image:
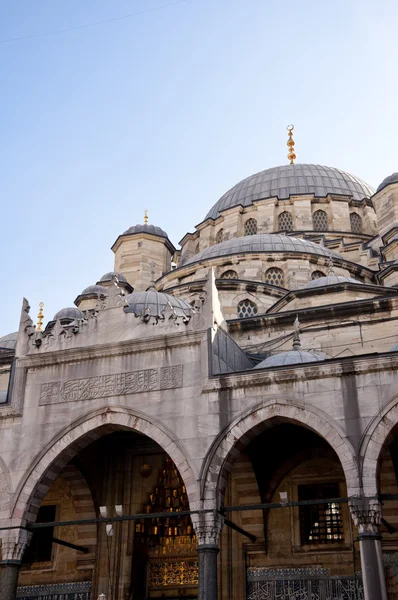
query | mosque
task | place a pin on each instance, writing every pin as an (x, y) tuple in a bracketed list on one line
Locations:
[(218, 421)]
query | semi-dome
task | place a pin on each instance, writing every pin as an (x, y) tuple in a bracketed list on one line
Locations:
[(71, 313), (330, 280), (109, 276), (94, 290), (9, 341), (146, 228), (262, 242), (154, 304), (393, 178), (291, 357), (291, 180)]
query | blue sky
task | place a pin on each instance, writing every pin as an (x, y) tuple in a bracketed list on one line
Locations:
[(166, 110)]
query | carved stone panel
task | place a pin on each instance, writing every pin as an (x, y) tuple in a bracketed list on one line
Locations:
[(104, 386)]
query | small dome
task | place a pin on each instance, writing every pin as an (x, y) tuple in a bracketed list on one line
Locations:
[(388, 181), (291, 357), (154, 304), (72, 314), (146, 228), (262, 242), (330, 280), (109, 276), (292, 180), (94, 290), (9, 341)]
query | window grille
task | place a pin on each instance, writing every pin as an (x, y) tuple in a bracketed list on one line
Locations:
[(230, 274), (320, 523), (251, 227), (320, 220), (317, 274), (274, 276), (40, 548), (246, 308), (356, 223), (219, 236), (285, 221)]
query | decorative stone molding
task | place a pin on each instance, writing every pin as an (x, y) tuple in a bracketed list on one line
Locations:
[(208, 527), (14, 543), (246, 427), (366, 514)]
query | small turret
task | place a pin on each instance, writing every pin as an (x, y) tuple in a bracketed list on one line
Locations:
[(143, 253)]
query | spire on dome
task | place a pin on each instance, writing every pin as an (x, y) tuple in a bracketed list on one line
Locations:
[(40, 317), (291, 143), (145, 216)]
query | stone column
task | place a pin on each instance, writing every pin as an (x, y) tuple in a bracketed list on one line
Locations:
[(13, 545), (366, 514), (208, 528)]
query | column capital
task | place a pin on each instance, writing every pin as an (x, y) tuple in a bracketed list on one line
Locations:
[(366, 514), (13, 544), (208, 527)]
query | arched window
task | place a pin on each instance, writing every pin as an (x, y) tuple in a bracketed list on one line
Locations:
[(317, 274), (219, 236), (356, 223), (274, 276), (230, 274), (320, 220), (251, 227), (285, 221), (246, 308)]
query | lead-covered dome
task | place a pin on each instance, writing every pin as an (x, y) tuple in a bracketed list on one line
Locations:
[(262, 242), (393, 178), (330, 280), (146, 228), (154, 304), (291, 357), (9, 341), (111, 275), (291, 180), (71, 314)]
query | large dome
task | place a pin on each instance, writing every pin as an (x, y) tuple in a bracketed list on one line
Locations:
[(288, 180), (262, 242)]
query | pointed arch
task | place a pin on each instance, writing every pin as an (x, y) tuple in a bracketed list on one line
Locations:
[(237, 435), (67, 443)]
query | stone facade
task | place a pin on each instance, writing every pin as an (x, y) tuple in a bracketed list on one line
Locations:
[(94, 407)]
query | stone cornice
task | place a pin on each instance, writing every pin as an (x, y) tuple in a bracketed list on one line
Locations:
[(86, 353), (335, 367)]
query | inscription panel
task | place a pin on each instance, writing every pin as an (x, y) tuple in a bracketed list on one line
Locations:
[(104, 386)]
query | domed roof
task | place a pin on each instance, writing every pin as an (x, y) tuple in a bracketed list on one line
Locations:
[(393, 178), (291, 357), (9, 341), (288, 180), (146, 228), (109, 276), (262, 242), (330, 280), (153, 304), (94, 289), (72, 313)]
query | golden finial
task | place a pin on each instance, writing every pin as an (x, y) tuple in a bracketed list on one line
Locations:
[(40, 317), (290, 142), (145, 216)]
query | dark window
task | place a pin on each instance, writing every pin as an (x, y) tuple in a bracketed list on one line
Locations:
[(320, 220), (274, 276), (285, 221), (317, 274), (40, 548), (246, 308), (356, 223), (320, 523), (219, 236), (230, 274), (251, 227)]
